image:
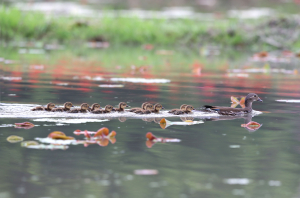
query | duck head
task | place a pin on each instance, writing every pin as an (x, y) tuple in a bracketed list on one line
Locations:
[(108, 108), (50, 105), (182, 107), (148, 106), (189, 108), (84, 106), (158, 107), (122, 105), (68, 105), (95, 106), (251, 97), (144, 105)]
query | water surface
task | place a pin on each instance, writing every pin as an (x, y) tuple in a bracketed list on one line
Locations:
[(218, 158)]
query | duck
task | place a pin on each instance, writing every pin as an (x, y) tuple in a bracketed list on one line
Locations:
[(84, 107), (94, 107), (48, 107), (138, 108), (182, 107), (107, 109), (148, 109), (67, 107), (157, 107), (250, 98), (121, 107), (186, 109)]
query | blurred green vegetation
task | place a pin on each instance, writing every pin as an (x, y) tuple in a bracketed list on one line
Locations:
[(17, 25)]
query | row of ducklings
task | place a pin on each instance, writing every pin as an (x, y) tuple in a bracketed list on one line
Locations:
[(146, 108), (84, 107)]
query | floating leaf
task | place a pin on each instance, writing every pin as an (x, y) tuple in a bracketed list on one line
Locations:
[(29, 143), (24, 125), (14, 139), (59, 135), (164, 123), (102, 132), (242, 101), (103, 142), (252, 125), (150, 136), (234, 100)]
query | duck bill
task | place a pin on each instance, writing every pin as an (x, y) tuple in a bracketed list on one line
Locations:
[(259, 100)]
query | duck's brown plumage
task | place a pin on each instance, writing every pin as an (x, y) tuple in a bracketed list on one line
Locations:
[(138, 108), (67, 107), (107, 109), (186, 109), (121, 107), (48, 107), (157, 107), (251, 97), (94, 107), (182, 108), (83, 109), (148, 109)]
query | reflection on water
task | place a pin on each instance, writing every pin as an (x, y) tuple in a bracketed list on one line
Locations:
[(216, 157)]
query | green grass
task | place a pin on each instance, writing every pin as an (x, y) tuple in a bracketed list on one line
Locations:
[(17, 25)]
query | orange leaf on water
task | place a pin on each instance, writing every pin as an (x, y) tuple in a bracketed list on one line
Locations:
[(103, 142), (242, 101), (149, 143), (102, 132), (163, 123), (112, 134), (59, 135), (150, 136)]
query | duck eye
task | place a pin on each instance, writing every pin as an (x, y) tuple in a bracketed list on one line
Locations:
[(255, 96)]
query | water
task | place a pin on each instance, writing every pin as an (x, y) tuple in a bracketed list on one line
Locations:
[(216, 158)]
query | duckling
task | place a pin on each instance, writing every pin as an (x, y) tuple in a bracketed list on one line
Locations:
[(83, 109), (49, 107), (107, 109), (94, 107), (148, 109), (67, 107), (188, 109), (182, 107), (157, 107), (137, 108), (122, 105)]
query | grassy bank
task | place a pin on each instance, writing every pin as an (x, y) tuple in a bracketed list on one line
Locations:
[(15, 25)]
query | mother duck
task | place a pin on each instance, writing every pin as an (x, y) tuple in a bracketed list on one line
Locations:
[(251, 97)]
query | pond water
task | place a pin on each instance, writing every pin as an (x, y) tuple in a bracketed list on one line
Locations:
[(216, 158)]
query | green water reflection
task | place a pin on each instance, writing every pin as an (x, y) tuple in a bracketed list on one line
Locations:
[(214, 159)]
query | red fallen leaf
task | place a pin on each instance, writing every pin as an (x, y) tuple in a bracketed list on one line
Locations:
[(77, 132), (233, 105), (24, 125), (102, 132), (252, 125), (103, 142), (150, 136), (59, 135), (150, 143), (86, 134)]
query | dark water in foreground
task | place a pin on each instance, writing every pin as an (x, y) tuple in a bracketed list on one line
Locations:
[(214, 159)]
